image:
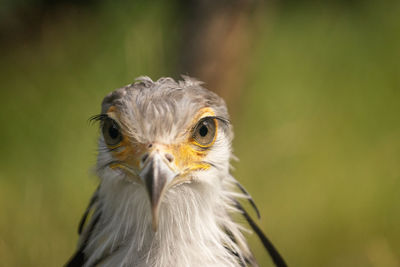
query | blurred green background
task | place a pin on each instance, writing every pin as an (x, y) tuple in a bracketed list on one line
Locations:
[(317, 125)]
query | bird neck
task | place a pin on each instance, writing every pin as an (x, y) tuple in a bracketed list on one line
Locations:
[(192, 230)]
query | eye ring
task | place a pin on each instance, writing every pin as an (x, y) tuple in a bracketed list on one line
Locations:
[(111, 132), (204, 133)]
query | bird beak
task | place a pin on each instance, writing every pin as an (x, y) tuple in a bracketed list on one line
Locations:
[(156, 175)]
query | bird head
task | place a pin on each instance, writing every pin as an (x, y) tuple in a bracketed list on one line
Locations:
[(164, 134)]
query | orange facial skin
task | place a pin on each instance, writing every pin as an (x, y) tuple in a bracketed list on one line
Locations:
[(188, 155)]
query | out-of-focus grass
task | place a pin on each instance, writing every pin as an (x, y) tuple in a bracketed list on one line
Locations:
[(319, 136), (317, 132)]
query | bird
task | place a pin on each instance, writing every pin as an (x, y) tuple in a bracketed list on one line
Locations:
[(166, 196)]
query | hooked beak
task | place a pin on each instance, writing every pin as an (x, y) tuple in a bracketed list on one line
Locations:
[(156, 174)]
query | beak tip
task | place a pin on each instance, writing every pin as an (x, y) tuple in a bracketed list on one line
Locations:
[(154, 226), (154, 221)]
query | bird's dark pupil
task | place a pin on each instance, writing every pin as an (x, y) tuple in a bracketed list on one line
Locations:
[(113, 132), (203, 131)]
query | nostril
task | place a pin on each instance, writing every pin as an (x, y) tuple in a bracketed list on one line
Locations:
[(150, 146), (145, 156), (169, 157)]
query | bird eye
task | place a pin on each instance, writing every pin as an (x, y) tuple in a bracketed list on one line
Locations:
[(204, 132), (111, 132)]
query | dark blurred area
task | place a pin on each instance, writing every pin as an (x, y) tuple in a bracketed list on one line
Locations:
[(22, 20), (313, 88)]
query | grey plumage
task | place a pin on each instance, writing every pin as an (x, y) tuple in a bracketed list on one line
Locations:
[(187, 221), (161, 109)]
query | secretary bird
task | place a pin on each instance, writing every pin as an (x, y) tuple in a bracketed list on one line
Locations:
[(166, 196)]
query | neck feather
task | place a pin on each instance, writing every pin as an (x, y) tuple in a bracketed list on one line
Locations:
[(195, 228)]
